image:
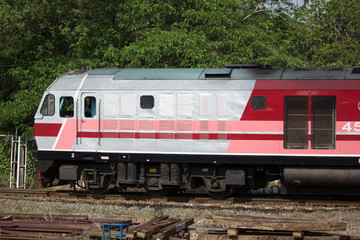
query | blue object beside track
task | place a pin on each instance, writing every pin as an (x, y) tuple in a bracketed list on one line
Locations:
[(106, 230)]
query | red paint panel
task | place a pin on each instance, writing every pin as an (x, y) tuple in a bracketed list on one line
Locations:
[(88, 134), (109, 124), (164, 135), (196, 136), (309, 84), (257, 125), (275, 102), (348, 137), (183, 136), (146, 125), (126, 135), (109, 135), (166, 125), (221, 136), (348, 106), (183, 125), (254, 137), (347, 94), (68, 135), (141, 135), (47, 129), (213, 136), (127, 124), (204, 136), (188, 136)]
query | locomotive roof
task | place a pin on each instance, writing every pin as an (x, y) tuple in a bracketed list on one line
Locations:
[(113, 78)]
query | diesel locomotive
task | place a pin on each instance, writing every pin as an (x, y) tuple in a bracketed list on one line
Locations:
[(225, 129)]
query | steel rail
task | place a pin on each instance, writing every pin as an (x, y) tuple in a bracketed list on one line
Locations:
[(198, 198)]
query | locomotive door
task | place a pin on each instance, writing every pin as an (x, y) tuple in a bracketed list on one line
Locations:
[(89, 124)]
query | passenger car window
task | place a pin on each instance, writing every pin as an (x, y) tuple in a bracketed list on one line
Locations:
[(147, 102), (66, 107), (48, 107), (89, 107)]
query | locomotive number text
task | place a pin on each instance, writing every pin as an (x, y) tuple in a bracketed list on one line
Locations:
[(351, 126)]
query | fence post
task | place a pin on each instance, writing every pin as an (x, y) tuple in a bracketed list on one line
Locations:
[(18, 163), (11, 162)]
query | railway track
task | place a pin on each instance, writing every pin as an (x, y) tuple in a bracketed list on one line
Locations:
[(198, 198), (212, 216), (60, 226)]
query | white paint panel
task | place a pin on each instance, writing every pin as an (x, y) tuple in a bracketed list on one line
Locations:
[(204, 104), (166, 104), (111, 105), (128, 102), (222, 105), (185, 105)]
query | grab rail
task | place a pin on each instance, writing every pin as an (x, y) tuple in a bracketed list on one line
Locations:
[(77, 119), (99, 127)]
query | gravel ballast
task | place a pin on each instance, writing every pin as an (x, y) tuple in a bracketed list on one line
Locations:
[(146, 210)]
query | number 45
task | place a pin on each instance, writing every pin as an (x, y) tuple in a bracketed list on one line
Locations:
[(347, 127)]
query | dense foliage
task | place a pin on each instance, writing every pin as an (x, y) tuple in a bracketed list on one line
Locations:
[(41, 39), (4, 161)]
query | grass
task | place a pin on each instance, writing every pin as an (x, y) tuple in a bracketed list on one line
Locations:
[(4, 181), (221, 214)]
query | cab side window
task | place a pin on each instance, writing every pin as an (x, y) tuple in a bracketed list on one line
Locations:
[(48, 107), (66, 107), (90, 107)]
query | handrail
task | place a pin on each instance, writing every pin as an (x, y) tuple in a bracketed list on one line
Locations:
[(77, 119), (99, 126)]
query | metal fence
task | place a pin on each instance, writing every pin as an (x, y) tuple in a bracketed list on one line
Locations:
[(14, 159)]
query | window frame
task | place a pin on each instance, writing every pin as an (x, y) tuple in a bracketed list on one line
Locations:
[(144, 102), (320, 122), (93, 106), (315, 130), (48, 104), (292, 145), (61, 108), (255, 100)]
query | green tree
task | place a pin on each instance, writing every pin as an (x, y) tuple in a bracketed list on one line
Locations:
[(41, 39), (340, 31)]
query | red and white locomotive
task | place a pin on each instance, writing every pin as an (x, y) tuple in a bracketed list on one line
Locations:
[(230, 128)]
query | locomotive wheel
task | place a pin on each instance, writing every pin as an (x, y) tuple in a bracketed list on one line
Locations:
[(221, 195), (99, 190)]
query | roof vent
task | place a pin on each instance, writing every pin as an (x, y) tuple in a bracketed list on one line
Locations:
[(218, 73), (306, 69), (104, 71)]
